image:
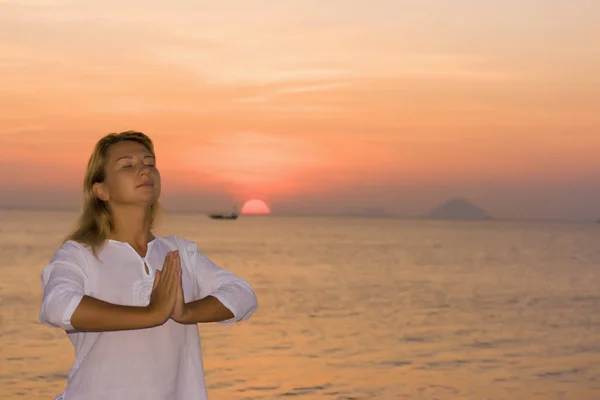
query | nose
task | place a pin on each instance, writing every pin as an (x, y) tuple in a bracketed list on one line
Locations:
[(145, 170)]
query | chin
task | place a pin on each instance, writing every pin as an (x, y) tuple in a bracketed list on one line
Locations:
[(152, 200), (147, 201)]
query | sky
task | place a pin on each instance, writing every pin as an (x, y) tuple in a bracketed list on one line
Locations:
[(315, 107)]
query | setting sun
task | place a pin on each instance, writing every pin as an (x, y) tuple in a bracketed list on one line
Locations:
[(256, 207)]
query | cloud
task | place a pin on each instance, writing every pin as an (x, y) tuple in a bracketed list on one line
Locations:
[(300, 95), (254, 161), (311, 88), (261, 75), (10, 131)]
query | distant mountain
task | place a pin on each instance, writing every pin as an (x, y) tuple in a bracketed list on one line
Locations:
[(459, 208)]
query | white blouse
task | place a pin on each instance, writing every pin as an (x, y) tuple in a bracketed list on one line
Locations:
[(160, 363)]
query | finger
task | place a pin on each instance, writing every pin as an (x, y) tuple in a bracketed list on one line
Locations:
[(170, 293), (178, 269), (156, 279), (178, 274), (174, 264), (176, 282), (177, 262), (172, 269), (179, 294), (168, 259), (164, 277), (180, 284)]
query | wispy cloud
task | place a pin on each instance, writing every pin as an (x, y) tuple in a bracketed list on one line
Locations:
[(8, 130), (271, 96), (280, 96), (311, 88), (270, 75), (254, 159)]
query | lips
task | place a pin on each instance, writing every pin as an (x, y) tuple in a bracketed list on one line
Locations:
[(146, 184)]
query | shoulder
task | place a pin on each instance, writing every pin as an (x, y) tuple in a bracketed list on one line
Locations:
[(71, 257), (72, 252), (179, 243)]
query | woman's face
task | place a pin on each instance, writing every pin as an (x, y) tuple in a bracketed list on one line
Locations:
[(131, 176)]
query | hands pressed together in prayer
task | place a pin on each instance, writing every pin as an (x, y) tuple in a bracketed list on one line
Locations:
[(166, 300)]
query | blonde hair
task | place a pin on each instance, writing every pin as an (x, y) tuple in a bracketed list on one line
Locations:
[(96, 223)]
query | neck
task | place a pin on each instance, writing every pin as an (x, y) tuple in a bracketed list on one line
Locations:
[(131, 225)]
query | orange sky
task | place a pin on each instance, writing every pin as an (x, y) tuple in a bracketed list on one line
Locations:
[(313, 106)]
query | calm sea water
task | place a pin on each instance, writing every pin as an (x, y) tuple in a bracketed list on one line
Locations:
[(355, 308)]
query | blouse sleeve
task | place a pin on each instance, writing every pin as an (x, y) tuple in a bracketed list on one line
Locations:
[(63, 281), (232, 291)]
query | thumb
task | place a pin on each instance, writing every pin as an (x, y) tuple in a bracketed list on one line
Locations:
[(156, 279)]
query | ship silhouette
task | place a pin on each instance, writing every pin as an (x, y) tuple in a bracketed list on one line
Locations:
[(232, 215)]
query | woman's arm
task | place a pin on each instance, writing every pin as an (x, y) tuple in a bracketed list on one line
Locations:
[(208, 309), (96, 315), (233, 301), (224, 297), (64, 305)]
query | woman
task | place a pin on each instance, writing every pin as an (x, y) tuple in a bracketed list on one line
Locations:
[(128, 300)]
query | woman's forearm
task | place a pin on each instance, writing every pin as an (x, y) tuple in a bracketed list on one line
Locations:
[(96, 315), (208, 309)]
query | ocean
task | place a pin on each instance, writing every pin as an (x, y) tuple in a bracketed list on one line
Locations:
[(353, 308)]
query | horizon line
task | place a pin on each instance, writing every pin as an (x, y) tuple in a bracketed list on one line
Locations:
[(316, 215)]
